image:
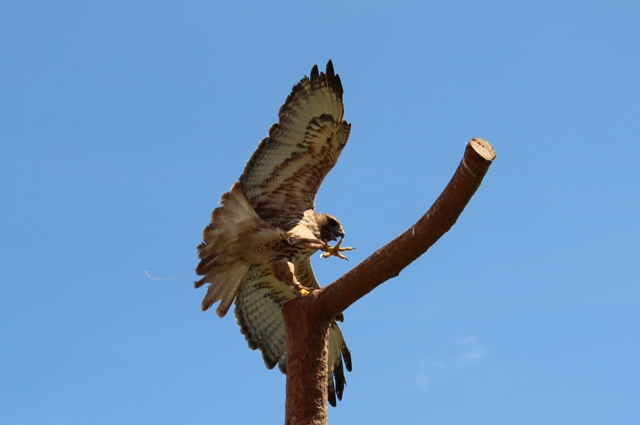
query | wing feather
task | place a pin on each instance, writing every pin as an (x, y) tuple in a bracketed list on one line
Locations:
[(278, 185), (258, 304), (258, 308), (223, 287), (285, 172), (304, 273)]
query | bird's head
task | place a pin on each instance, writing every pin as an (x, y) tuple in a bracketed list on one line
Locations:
[(330, 227)]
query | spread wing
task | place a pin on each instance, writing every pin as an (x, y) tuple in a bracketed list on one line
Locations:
[(280, 181), (284, 173), (258, 311)]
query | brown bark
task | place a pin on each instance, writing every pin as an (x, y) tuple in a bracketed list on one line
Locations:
[(307, 318), (306, 360)]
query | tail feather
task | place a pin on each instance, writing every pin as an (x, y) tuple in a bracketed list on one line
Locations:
[(221, 261), (225, 220), (223, 288)]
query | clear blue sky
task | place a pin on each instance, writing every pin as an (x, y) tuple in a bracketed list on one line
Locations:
[(121, 124)]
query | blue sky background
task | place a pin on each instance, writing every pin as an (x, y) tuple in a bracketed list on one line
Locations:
[(122, 123)]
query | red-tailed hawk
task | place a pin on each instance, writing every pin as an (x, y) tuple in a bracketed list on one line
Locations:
[(258, 245)]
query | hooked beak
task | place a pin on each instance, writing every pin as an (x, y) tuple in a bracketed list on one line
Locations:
[(338, 234)]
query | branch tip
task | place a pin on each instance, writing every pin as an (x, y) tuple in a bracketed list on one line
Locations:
[(483, 148)]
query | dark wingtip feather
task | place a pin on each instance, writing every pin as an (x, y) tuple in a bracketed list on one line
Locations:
[(269, 363), (282, 365), (337, 84), (314, 72), (332, 398), (330, 75), (330, 71), (338, 372), (346, 355)]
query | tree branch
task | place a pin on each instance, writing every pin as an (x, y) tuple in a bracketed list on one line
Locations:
[(307, 318)]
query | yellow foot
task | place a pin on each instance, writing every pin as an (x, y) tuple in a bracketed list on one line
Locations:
[(335, 251), (303, 291)]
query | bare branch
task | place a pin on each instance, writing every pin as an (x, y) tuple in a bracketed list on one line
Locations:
[(307, 318), (389, 260)]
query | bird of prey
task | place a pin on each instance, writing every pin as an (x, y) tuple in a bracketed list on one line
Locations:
[(257, 248)]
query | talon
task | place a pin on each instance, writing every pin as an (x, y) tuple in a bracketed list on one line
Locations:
[(335, 251)]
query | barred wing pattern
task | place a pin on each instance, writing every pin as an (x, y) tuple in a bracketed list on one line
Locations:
[(257, 311), (284, 173), (281, 180)]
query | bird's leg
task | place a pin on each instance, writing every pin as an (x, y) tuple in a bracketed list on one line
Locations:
[(284, 271), (309, 242), (335, 250)]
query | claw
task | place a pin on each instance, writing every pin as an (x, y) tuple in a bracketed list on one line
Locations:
[(335, 251)]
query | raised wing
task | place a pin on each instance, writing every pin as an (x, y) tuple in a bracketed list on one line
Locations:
[(258, 311), (285, 172)]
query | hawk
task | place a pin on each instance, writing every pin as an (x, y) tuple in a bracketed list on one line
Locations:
[(257, 248)]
